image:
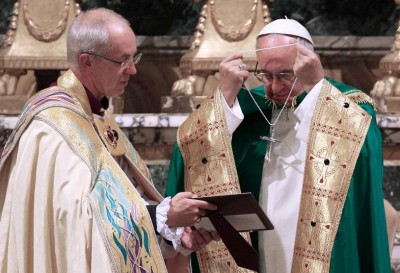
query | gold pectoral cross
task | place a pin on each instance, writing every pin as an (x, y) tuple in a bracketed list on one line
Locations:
[(108, 132)]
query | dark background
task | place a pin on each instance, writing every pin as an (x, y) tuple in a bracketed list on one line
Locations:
[(179, 17)]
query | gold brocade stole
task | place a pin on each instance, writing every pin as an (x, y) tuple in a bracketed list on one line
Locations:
[(205, 145), (338, 130), (118, 145), (36, 104), (120, 213)]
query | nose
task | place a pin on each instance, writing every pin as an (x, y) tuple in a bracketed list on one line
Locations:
[(131, 70), (276, 83)]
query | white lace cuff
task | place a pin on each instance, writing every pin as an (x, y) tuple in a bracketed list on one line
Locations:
[(173, 234)]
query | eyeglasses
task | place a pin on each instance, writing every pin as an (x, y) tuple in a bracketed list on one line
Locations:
[(124, 64), (268, 77)]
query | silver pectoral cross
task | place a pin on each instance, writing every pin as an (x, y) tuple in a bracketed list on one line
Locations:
[(272, 140)]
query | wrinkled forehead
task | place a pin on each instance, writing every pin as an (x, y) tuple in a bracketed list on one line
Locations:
[(276, 47)]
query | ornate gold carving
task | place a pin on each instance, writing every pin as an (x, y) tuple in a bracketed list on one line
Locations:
[(16, 82), (396, 42), (16, 86), (8, 40), (232, 33), (192, 85), (391, 61), (77, 9), (218, 33), (198, 35), (266, 14), (199, 28), (48, 33), (386, 91)]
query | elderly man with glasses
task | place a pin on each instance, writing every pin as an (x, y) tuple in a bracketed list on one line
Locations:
[(75, 196), (307, 147)]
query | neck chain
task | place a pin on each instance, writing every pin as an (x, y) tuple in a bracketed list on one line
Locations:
[(270, 138), (272, 124)]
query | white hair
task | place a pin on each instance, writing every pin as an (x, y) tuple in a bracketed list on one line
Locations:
[(90, 32)]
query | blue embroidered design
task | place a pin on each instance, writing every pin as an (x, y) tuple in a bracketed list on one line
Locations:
[(129, 239)]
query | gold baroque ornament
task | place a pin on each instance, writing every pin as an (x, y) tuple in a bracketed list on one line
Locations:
[(232, 33), (77, 9), (199, 28), (266, 14), (12, 28), (48, 33)]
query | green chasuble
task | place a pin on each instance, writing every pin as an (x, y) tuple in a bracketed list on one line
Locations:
[(360, 241)]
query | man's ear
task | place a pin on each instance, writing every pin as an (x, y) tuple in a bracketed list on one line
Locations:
[(85, 61)]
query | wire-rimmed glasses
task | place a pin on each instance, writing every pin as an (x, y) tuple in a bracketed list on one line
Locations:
[(126, 63), (267, 77)]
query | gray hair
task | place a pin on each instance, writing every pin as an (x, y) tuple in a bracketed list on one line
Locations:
[(305, 43), (90, 32)]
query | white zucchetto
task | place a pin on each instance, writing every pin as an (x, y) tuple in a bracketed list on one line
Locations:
[(286, 26)]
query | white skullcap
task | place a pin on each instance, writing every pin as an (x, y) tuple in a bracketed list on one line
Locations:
[(286, 26)]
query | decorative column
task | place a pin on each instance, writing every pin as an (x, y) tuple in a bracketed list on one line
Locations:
[(224, 27), (34, 50), (386, 91)]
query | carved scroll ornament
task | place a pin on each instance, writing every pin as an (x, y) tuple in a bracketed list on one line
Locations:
[(12, 28), (233, 33), (47, 33)]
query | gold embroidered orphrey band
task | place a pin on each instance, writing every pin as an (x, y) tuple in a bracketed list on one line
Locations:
[(116, 142), (338, 130), (204, 142)]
